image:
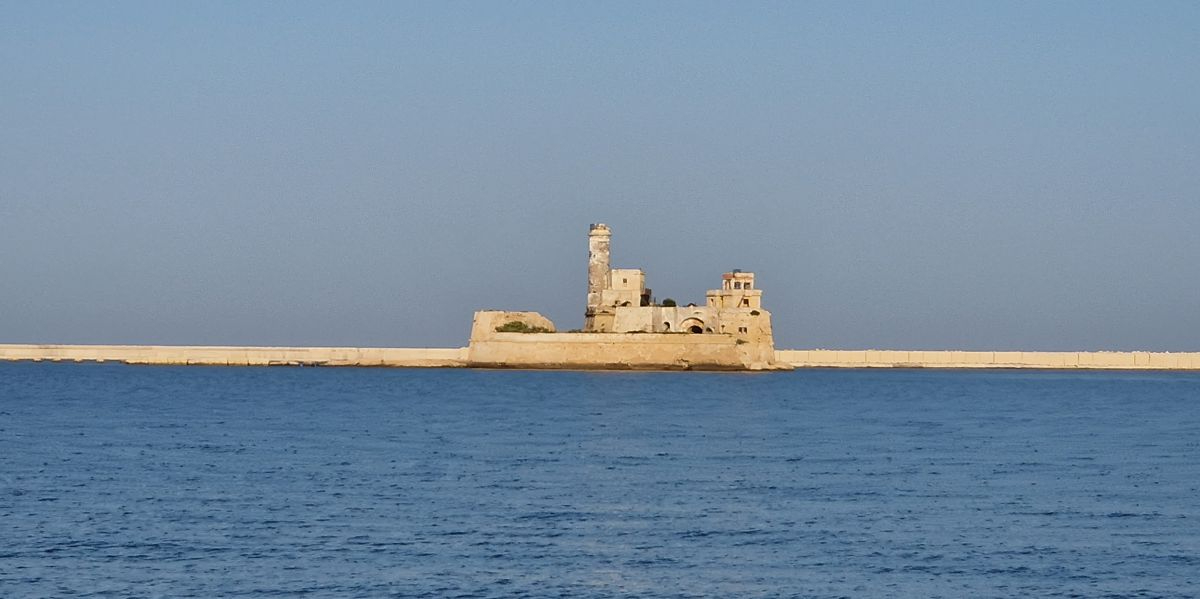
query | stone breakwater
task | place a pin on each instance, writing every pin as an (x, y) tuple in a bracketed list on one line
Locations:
[(240, 356), (1103, 360), (491, 357)]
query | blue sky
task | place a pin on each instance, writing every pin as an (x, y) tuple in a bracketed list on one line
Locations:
[(1021, 175)]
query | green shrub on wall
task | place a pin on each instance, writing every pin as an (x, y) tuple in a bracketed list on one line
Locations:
[(516, 326), (668, 303)]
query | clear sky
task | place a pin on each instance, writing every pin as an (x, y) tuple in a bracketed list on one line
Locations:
[(999, 175)]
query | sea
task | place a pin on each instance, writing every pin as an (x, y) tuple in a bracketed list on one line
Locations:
[(143, 481)]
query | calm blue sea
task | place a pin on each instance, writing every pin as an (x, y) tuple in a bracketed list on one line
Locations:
[(122, 481)]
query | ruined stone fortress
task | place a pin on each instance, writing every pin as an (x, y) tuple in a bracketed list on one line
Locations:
[(625, 329), (619, 302)]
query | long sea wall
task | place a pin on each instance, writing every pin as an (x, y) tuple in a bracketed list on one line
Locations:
[(239, 356), (827, 358), (595, 351)]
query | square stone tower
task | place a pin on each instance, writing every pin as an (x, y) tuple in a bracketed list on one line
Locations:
[(598, 317)]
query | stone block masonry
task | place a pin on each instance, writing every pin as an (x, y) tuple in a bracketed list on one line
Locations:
[(617, 351)]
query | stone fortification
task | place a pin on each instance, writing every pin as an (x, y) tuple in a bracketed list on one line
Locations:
[(618, 302), (493, 348), (625, 328)]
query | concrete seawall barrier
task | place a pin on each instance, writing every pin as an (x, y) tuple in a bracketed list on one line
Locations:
[(240, 356), (827, 358)]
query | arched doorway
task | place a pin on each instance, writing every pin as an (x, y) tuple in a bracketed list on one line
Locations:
[(692, 325)]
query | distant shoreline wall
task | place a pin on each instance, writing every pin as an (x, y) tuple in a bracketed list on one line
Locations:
[(595, 351), (240, 356), (826, 358)]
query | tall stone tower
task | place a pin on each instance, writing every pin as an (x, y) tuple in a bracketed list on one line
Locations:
[(599, 240)]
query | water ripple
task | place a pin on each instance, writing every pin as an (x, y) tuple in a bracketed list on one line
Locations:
[(200, 482)]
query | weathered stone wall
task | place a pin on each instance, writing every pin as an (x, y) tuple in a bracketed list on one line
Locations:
[(484, 323), (651, 318), (658, 319), (240, 356), (617, 351), (987, 359), (593, 350)]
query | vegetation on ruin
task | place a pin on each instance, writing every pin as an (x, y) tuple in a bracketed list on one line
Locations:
[(516, 326)]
